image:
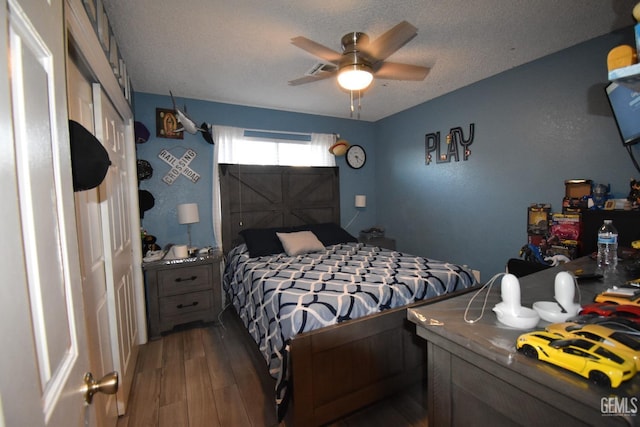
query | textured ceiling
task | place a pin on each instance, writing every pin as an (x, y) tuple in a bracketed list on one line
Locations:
[(239, 51)]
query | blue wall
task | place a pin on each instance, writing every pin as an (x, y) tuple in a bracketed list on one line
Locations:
[(161, 221), (535, 127)]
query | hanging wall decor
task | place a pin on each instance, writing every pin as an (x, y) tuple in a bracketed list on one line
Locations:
[(454, 144), (167, 123), (179, 166)]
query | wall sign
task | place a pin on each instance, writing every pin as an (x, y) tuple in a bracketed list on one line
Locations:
[(179, 166), (455, 143)]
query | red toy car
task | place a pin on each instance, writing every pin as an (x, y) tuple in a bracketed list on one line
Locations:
[(628, 311)]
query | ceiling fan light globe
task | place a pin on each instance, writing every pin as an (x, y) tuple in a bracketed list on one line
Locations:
[(355, 77)]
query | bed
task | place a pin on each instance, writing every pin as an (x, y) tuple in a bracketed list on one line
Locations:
[(326, 313)]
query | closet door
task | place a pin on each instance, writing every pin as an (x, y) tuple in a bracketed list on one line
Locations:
[(44, 355), (119, 228), (90, 243), (117, 239)]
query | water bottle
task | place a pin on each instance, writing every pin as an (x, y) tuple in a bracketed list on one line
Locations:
[(607, 245)]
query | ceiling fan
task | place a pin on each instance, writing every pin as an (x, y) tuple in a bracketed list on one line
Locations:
[(361, 60)]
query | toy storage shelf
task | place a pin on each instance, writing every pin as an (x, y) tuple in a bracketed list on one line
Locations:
[(627, 76)]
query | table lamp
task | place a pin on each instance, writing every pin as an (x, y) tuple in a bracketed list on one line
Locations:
[(360, 202), (188, 214)]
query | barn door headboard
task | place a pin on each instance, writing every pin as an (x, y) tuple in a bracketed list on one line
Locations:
[(254, 196)]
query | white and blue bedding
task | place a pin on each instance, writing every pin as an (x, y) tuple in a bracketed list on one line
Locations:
[(278, 296)]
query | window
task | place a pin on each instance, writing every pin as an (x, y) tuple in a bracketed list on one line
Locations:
[(274, 148), (240, 146)]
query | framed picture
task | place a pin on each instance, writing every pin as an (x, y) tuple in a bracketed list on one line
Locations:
[(90, 8), (127, 89), (122, 74), (114, 55), (103, 27), (610, 205), (166, 124)]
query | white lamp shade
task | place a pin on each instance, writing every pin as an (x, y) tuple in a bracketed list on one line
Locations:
[(188, 213), (361, 201)]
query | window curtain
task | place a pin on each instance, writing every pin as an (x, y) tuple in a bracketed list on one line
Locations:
[(319, 149), (232, 146), (223, 137)]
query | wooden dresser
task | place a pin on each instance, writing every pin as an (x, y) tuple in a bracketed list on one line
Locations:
[(476, 376), (182, 291)]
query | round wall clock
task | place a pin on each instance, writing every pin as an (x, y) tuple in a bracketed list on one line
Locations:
[(356, 156)]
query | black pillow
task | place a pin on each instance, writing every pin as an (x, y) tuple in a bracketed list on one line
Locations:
[(264, 241), (329, 233)]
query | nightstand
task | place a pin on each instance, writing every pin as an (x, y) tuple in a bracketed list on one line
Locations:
[(383, 242), (182, 291)]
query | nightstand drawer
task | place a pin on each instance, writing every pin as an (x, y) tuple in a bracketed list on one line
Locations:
[(179, 281), (177, 305), (182, 292)]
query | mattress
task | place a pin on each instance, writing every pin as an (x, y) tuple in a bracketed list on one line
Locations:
[(279, 296)]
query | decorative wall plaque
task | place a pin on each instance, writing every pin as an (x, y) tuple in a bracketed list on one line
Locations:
[(179, 166)]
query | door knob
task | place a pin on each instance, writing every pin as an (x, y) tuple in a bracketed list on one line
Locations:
[(107, 385)]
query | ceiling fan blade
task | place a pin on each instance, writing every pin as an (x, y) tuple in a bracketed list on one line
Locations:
[(396, 71), (316, 49), (382, 47), (310, 79)]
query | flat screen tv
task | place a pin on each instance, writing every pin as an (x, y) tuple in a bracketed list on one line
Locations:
[(625, 103)]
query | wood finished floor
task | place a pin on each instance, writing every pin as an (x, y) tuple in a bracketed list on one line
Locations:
[(205, 376)]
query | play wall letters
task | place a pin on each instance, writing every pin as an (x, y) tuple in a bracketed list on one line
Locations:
[(455, 142)]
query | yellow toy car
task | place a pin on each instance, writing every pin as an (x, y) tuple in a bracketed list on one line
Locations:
[(583, 357), (632, 298), (621, 342)]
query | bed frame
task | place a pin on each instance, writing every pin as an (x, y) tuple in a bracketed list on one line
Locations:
[(276, 196), (338, 369)]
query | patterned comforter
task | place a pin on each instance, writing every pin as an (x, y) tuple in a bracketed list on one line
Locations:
[(279, 296)]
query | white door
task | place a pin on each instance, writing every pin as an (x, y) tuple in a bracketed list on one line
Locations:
[(92, 259), (117, 239), (43, 358)]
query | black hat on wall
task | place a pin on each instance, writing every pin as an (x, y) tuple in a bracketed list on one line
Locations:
[(145, 201), (145, 170), (89, 159), (206, 132), (141, 132)]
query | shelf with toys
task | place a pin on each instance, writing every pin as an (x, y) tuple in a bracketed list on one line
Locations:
[(622, 61), (628, 76)]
